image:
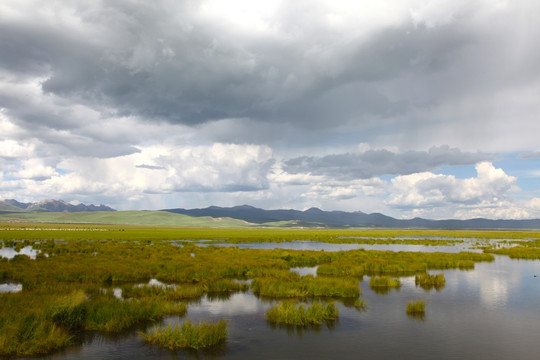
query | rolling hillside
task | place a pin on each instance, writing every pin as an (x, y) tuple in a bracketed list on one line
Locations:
[(161, 218)]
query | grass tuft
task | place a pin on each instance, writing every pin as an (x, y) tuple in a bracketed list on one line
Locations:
[(198, 336), (288, 313), (416, 307), (427, 281)]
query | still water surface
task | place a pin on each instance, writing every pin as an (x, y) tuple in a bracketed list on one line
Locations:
[(332, 247), (491, 312)]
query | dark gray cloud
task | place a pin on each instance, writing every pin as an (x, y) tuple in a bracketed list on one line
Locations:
[(150, 167), (164, 61), (374, 163), (196, 86), (530, 155)]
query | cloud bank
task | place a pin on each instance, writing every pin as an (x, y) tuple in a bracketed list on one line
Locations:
[(196, 103)]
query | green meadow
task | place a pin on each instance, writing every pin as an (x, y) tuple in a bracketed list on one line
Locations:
[(96, 277)]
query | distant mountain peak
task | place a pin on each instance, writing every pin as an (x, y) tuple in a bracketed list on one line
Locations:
[(50, 205), (317, 217)]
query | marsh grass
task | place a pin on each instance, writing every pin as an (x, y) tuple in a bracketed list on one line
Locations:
[(179, 292), (26, 327), (113, 315), (360, 304), (518, 252), (189, 335), (306, 286), (384, 282), (416, 307), (287, 312), (32, 334), (225, 286), (70, 311), (427, 281), (84, 259)]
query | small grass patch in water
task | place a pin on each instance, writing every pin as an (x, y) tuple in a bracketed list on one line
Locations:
[(360, 304), (416, 307), (201, 335), (427, 281), (287, 312), (384, 281)]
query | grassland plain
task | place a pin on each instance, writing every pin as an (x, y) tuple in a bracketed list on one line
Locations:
[(70, 285)]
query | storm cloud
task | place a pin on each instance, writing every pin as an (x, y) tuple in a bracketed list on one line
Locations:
[(270, 99), (374, 163)]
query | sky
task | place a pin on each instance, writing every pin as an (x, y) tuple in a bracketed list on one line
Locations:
[(408, 108)]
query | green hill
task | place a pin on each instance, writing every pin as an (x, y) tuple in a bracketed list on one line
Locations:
[(123, 218)]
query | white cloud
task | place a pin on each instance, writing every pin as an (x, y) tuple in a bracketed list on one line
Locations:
[(336, 190), (487, 194), (35, 169), (12, 149), (494, 210), (155, 169)]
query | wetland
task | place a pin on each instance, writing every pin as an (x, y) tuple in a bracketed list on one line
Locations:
[(96, 292)]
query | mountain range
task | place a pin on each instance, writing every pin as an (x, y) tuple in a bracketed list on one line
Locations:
[(12, 205), (315, 216), (244, 215)]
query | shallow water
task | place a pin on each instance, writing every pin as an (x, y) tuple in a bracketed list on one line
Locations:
[(332, 247), (9, 252), (10, 288), (491, 312)]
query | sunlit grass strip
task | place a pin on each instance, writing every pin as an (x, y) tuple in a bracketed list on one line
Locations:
[(189, 335), (518, 252), (384, 281), (288, 313), (427, 281), (416, 307)]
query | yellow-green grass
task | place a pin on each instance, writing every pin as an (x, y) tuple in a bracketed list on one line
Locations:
[(289, 313), (384, 282), (416, 307), (306, 286), (518, 252), (427, 281), (85, 262), (189, 335), (237, 234)]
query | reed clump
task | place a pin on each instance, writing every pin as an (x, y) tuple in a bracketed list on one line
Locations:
[(30, 334), (416, 307), (289, 313), (427, 281), (189, 335), (384, 282), (113, 315)]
